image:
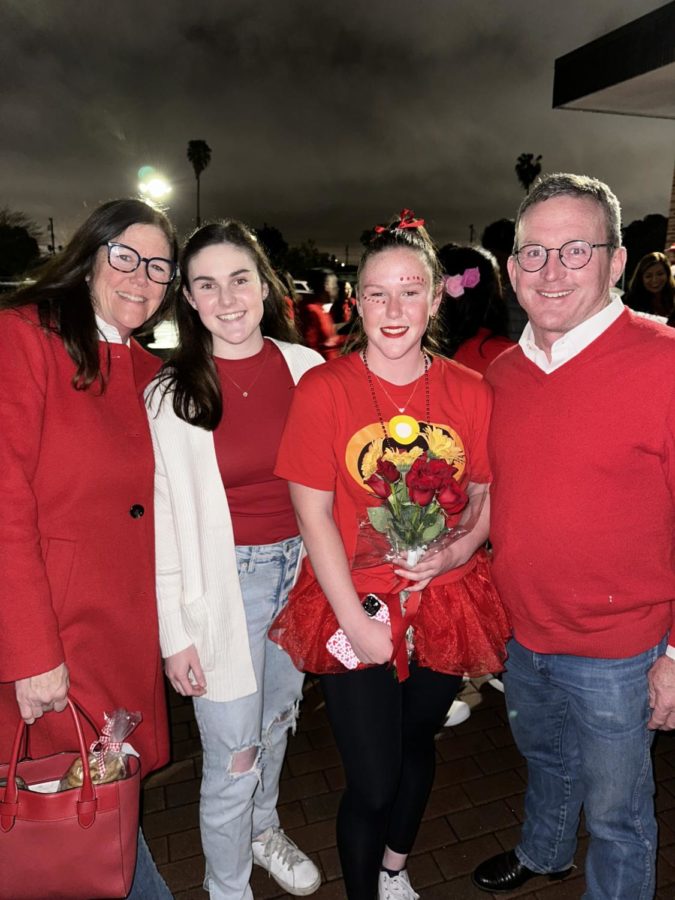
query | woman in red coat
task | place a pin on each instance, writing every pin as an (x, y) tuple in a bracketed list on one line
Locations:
[(77, 597)]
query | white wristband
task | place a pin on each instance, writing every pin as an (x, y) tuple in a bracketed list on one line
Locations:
[(670, 651)]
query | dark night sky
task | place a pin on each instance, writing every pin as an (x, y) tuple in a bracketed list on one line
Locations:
[(323, 117)]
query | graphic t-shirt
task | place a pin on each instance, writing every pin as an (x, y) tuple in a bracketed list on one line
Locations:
[(333, 439)]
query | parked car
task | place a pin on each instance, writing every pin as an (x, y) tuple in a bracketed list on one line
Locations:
[(301, 287)]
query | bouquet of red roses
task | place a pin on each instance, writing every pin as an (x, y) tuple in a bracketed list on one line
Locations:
[(418, 496), (423, 510)]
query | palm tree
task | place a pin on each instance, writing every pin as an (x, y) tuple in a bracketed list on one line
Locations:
[(527, 169), (199, 154)]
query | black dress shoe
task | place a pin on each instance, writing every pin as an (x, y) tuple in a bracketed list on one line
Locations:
[(505, 873)]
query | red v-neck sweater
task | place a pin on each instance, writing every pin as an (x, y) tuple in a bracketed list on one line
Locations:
[(583, 493)]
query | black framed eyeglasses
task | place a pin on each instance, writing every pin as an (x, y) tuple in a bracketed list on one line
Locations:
[(572, 254), (126, 259)]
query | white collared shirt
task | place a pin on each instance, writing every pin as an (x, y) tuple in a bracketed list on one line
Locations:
[(574, 341), (109, 333)]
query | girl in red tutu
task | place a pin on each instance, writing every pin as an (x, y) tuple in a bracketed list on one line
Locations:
[(390, 399)]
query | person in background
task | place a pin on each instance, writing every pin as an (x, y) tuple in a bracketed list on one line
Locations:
[(291, 301), (342, 310), (497, 239), (314, 323), (473, 330), (670, 253), (583, 455), (390, 396), (78, 613), (228, 547), (652, 287), (473, 317)]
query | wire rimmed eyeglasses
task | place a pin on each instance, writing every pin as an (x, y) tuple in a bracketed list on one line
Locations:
[(126, 259), (572, 254)]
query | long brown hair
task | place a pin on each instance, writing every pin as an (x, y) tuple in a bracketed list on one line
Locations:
[(479, 306), (642, 300), (61, 294), (190, 373)]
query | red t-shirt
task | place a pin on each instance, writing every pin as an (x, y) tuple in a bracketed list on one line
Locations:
[(333, 430), (479, 351), (583, 506), (246, 442)]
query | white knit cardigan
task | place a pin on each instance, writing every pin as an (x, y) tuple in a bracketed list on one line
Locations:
[(198, 594)]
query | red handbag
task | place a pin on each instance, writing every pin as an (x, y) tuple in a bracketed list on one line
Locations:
[(78, 844)]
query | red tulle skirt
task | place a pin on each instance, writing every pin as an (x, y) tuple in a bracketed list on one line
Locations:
[(460, 628)]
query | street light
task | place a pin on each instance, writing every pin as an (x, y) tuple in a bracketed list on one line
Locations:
[(156, 189), (152, 186)]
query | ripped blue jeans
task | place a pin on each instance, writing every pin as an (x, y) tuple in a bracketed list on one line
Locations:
[(244, 741)]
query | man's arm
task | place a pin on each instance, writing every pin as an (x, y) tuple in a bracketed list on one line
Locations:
[(662, 694)]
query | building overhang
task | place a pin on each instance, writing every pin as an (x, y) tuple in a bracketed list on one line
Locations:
[(630, 71)]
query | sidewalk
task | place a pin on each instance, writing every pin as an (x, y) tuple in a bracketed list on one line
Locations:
[(474, 810)]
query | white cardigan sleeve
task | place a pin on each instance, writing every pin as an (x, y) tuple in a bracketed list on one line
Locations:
[(169, 579)]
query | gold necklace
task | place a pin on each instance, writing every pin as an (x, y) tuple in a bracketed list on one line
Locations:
[(403, 408), (427, 402), (245, 391)]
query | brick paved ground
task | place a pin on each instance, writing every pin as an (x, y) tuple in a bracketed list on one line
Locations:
[(474, 810)]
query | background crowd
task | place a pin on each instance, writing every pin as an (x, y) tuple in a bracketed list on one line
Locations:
[(205, 510)]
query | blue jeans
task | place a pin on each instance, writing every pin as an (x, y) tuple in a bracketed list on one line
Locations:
[(237, 805), (581, 725), (148, 884)]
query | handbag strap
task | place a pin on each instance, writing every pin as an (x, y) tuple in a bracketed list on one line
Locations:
[(87, 803), (86, 719)]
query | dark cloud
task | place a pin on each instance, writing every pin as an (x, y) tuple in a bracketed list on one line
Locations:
[(323, 118)]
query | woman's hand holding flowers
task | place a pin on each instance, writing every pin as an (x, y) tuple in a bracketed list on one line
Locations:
[(419, 497), (437, 563), (442, 560)]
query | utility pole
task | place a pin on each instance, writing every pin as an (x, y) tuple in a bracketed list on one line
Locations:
[(471, 234), (52, 246)]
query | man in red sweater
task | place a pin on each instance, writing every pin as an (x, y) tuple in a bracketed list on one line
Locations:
[(582, 448)]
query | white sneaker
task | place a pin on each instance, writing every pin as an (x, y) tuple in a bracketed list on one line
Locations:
[(459, 712), (396, 887), (292, 870)]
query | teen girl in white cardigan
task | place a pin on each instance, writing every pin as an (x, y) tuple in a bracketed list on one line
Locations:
[(228, 547)]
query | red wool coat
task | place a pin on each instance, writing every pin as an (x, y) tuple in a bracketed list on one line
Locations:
[(76, 537)]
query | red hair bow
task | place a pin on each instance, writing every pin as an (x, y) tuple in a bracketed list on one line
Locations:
[(405, 220)]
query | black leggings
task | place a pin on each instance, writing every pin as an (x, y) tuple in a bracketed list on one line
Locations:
[(384, 731)]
